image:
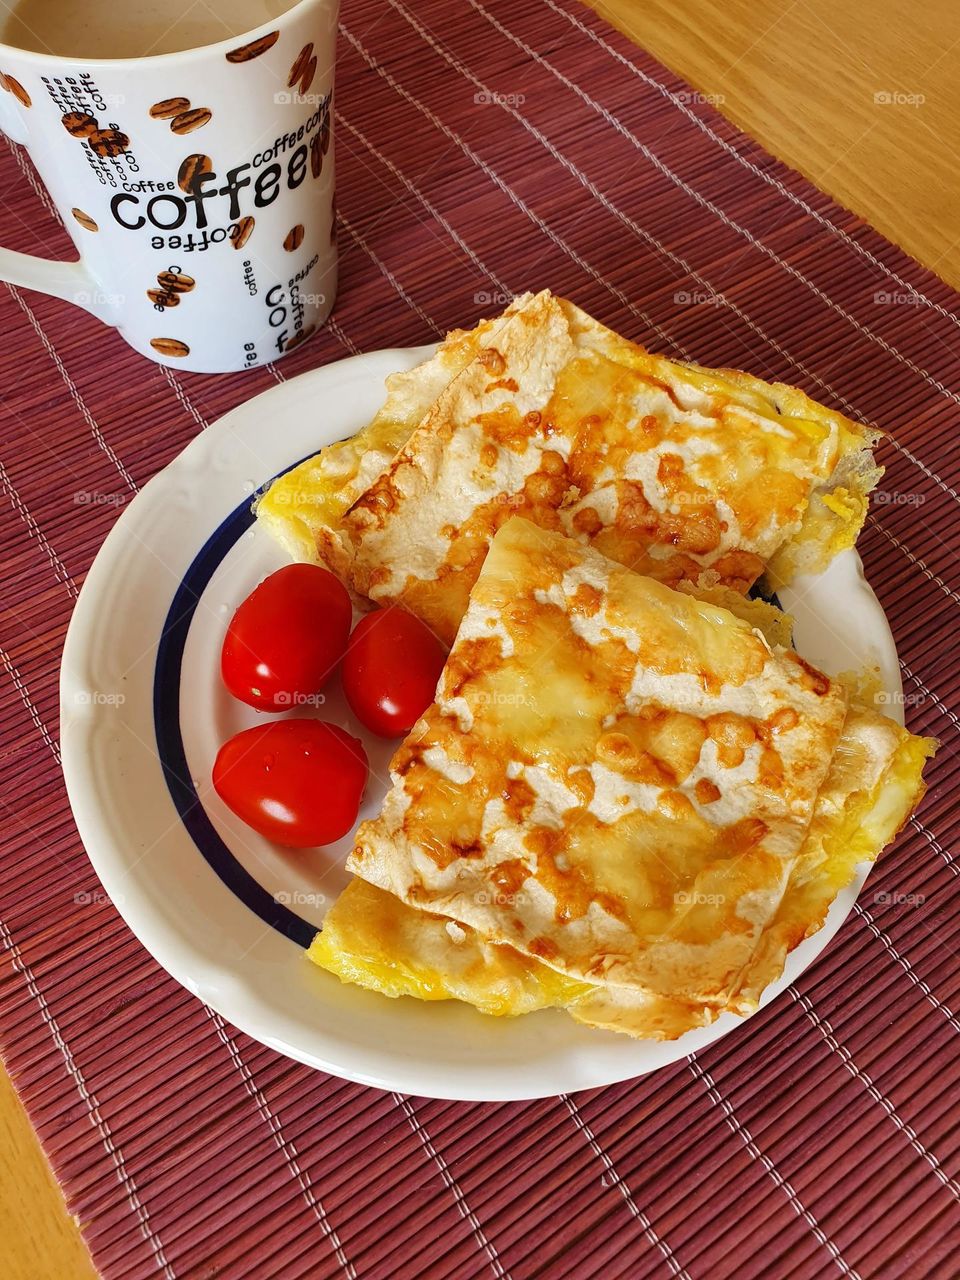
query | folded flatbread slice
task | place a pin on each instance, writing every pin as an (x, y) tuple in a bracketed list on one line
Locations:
[(374, 940), (304, 508), (616, 778), (683, 473), (371, 938)]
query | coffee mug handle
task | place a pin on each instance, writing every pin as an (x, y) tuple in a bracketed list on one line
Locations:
[(68, 280)]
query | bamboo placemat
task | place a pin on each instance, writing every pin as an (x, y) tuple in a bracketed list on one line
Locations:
[(510, 145)]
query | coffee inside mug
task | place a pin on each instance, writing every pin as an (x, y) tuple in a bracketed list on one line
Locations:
[(130, 28)]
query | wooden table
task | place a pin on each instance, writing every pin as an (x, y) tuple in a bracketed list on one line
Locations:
[(863, 97)]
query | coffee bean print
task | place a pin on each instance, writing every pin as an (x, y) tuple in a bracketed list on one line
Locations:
[(169, 108), (108, 143), (325, 133), (17, 89), (170, 346), (188, 121), (175, 281), (79, 124), (300, 65), (85, 220), (193, 168), (300, 337), (309, 71), (163, 298), (254, 49), (241, 231), (316, 156), (294, 238)]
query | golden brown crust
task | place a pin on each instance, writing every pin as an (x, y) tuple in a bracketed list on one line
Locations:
[(551, 798)]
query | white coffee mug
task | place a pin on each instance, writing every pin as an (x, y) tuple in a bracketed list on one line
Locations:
[(198, 188)]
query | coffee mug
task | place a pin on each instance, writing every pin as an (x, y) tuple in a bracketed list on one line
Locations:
[(197, 185)]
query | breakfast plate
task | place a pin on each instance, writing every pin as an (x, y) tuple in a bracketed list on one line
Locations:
[(227, 913)]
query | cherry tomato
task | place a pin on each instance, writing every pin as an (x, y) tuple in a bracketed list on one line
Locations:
[(298, 782), (286, 638), (390, 670)]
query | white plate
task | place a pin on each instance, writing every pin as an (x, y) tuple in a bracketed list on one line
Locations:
[(143, 713)]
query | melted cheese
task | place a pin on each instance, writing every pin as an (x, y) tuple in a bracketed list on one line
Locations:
[(303, 509), (689, 475), (683, 474), (372, 940), (376, 941), (618, 771)]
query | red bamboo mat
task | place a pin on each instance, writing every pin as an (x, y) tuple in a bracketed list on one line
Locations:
[(523, 144)]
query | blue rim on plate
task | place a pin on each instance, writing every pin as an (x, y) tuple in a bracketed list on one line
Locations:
[(173, 758)]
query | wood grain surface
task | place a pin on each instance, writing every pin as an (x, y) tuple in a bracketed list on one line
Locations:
[(863, 97), (40, 1239)]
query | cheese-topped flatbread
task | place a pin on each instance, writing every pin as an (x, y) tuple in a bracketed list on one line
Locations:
[(373, 939), (304, 508), (616, 778), (683, 473)]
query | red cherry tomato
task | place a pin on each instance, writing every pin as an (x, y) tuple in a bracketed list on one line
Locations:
[(390, 670), (297, 782), (286, 638)]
